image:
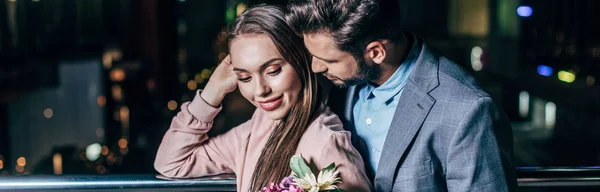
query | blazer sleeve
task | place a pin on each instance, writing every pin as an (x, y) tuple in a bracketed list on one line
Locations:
[(187, 151), (481, 150), (338, 149)]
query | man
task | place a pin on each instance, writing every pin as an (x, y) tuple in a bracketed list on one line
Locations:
[(420, 121)]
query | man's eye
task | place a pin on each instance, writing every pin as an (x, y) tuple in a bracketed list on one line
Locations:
[(246, 79)]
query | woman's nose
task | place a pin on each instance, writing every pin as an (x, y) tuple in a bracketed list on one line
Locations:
[(261, 89)]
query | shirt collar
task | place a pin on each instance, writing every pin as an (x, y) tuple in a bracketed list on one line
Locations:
[(396, 82)]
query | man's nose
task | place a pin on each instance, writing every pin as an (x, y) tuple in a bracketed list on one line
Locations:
[(318, 66)]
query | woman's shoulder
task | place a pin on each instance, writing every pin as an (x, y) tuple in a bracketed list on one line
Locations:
[(327, 124)]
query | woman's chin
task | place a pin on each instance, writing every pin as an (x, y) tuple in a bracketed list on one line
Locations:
[(275, 114)]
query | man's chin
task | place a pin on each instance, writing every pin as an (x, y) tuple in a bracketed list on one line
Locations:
[(339, 84), (346, 83)]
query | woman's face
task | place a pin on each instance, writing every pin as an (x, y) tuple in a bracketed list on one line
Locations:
[(264, 77)]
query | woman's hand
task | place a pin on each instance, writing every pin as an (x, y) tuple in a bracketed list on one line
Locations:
[(221, 82)]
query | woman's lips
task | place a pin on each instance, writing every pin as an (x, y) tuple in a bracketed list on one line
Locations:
[(271, 104)]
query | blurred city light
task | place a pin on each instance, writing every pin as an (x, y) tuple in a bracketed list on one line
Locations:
[(124, 116), (230, 14), (107, 61), (48, 113), (524, 104), (172, 105), (1, 164), (117, 92), (192, 85), (550, 115), (104, 150), (524, 11), (100, 133), (101, 100), (57, 164), (198, 77), (566, 76), (241, 7), (92, 152), (544, 70), (19, 169), (206, 73), (122, 143), (476, 53), (590, 80), (117, 75), (21, 161)]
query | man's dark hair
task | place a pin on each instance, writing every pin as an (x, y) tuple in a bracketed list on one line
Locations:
[(352, 23)]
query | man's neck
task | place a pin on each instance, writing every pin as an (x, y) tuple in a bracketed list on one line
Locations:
[(396, 54)]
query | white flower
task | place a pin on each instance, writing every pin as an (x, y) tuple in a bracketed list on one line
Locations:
[(307, 182), (328, 178), (326, 181)]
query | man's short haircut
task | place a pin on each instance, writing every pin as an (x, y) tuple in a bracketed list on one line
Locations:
[(352, 23)]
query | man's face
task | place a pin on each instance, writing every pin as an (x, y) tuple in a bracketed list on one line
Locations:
[(336, 65)]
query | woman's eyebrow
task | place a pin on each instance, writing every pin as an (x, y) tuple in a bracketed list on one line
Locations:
[(262, 66)]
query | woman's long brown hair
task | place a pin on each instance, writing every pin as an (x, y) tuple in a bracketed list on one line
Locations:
[(273, 165)]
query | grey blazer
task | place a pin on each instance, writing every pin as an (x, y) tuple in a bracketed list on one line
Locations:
[(446, 135)]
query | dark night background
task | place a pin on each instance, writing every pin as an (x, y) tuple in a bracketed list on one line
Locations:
[(90, 86)]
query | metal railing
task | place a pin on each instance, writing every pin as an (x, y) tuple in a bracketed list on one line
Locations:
[(529, 178), (112, 182)]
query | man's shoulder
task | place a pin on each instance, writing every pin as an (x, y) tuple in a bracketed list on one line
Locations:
[(456, 84)]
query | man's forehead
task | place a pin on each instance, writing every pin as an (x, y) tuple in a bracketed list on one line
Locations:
[(320, 39), (321, 45)]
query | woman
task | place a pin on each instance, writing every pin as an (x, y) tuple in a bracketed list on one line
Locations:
[(270, 65)]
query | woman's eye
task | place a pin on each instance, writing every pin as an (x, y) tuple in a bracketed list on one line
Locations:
[(245, 79), (274, 72)]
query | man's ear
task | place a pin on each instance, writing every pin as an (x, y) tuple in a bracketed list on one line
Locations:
[(375, 52)]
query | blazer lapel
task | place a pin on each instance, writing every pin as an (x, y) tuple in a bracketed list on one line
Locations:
[(412, 110), (413, 107)]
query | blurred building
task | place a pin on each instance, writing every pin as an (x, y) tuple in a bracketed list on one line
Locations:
[(70, 114)]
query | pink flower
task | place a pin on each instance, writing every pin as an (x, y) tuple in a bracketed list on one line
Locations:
[(286, 182), (293, 188), (286, 185), (271, 188)]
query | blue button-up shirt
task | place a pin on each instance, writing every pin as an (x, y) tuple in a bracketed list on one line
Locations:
[(374, 109)]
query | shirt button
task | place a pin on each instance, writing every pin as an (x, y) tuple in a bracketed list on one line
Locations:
[(368, 121)]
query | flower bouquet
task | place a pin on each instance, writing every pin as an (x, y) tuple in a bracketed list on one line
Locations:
[(303, 180)]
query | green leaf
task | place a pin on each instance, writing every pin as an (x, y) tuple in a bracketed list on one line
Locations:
[(299, 167), (331, 167)]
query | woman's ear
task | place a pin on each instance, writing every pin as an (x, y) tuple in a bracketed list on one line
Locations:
[(375, 52)]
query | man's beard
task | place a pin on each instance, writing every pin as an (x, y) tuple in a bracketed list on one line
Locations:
[(365, 72)]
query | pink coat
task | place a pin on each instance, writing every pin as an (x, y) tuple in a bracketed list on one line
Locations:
[(186, 150)]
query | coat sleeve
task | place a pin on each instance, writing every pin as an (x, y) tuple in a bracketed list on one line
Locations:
[(187, 151), (481, 150)]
